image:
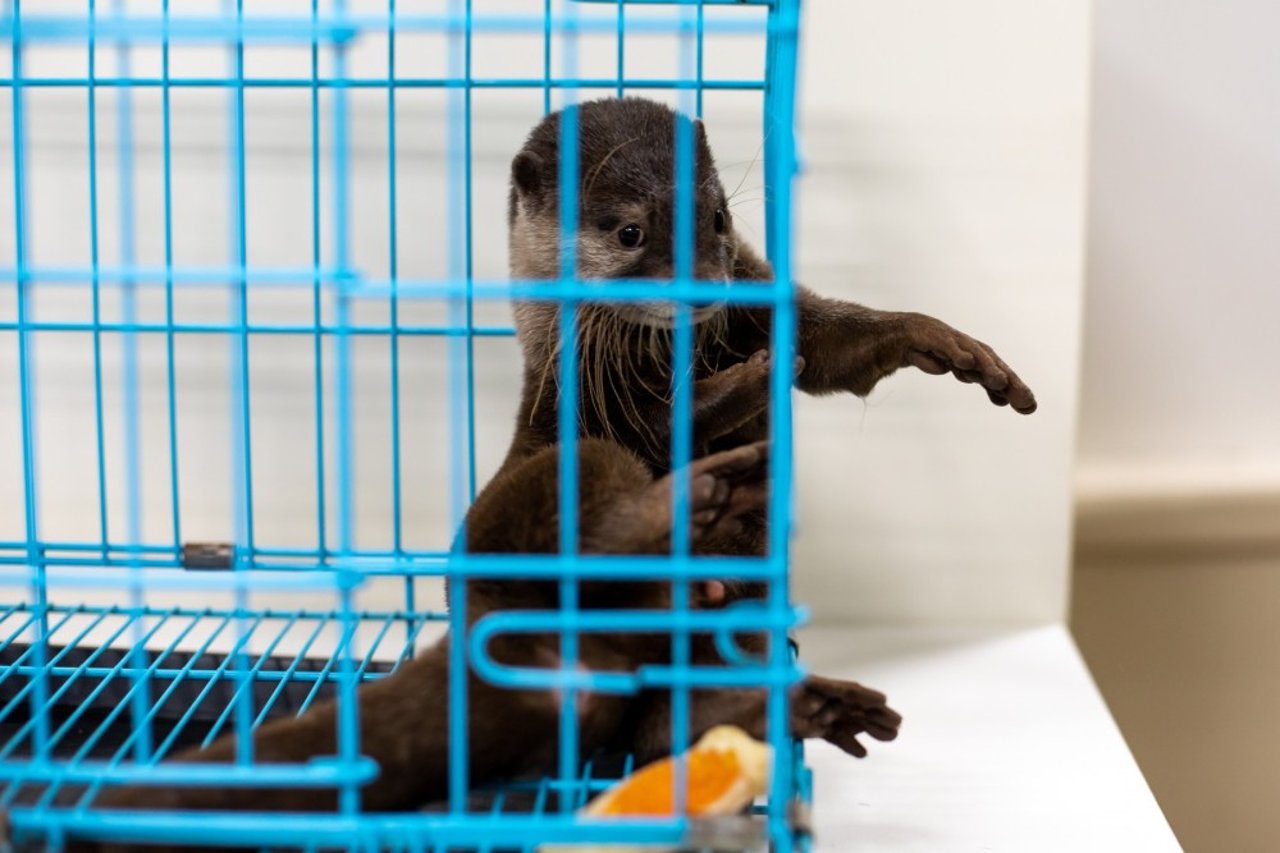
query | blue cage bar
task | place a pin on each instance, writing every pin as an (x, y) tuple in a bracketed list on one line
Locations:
[(101, 689)]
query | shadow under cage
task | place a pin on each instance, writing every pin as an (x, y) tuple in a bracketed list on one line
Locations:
[(256, 356)]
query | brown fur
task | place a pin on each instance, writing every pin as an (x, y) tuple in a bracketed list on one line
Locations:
[(625, 475)]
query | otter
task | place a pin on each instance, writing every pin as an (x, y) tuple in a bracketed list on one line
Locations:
[(626, 213)]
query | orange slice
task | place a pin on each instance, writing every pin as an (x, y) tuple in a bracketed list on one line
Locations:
[(724, 771)]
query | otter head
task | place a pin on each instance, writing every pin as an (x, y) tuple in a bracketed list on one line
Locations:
[(627, 204)]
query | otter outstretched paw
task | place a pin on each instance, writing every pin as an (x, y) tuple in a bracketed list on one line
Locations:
[(840, 711), (936, 348)]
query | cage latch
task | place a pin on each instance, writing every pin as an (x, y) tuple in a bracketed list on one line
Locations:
[(208, 555)]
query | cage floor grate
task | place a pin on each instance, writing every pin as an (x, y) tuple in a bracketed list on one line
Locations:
[(189, 695)]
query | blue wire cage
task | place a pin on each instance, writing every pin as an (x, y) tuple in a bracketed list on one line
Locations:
[(151, 601)]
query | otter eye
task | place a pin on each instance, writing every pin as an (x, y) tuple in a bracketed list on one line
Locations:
[(721, 220), (631, 236)]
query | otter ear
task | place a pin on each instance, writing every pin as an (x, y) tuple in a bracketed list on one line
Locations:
[(700, 133), (526, 172)]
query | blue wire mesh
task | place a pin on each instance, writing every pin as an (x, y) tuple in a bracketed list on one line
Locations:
[(98, 689)]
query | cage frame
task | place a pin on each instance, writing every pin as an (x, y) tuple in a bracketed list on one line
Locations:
[(335, 564)]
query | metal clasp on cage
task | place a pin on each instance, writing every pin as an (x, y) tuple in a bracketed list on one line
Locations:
[(208, 555)]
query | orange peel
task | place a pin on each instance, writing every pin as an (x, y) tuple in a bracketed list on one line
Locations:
[(724, 773)]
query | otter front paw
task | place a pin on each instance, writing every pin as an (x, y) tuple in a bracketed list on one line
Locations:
[(936, 348), (840, 711), (734, 396)]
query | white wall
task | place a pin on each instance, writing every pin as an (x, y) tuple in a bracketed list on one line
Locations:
[(946, 146), (1183, 308), (945, 155)]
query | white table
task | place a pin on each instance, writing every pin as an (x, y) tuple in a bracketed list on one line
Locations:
[(1006, 745)]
